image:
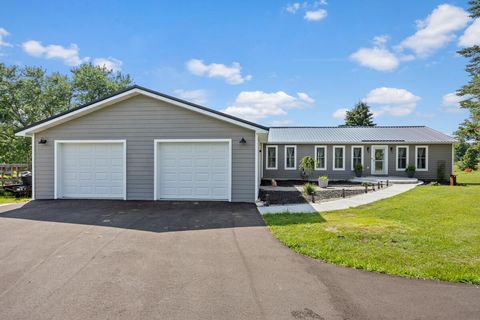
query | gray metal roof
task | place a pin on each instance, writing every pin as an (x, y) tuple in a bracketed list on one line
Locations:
[(344, 134)]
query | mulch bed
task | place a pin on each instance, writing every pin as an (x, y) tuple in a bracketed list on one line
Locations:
[(295, 197)]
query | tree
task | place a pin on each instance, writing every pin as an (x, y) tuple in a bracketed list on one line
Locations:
[(469, 130), (29, 94), (360, 115)]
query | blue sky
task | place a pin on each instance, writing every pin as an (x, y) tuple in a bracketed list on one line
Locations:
[(273, 62)]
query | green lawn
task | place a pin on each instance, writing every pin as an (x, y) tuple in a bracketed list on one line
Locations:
[(429, 232), (9, 199), (468, 177)]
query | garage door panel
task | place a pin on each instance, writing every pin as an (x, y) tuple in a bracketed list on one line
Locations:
[(91, 170), (193, 170)]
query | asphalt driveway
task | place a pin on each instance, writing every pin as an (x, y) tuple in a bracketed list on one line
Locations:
[(153, 260)]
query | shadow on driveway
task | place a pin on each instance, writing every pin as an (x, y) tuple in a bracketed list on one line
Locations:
[(153, 216)]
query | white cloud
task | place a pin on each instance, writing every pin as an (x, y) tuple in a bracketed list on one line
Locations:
[(376, 58), (392, 101), (232, 74), (305, 98), (70, 56), (255, 105), (294, 7), (315, 15), (196, 96), (4, 33), (471, 36), (280, 123), (451, 102), (340, 113), (437, 30), (109, 63)]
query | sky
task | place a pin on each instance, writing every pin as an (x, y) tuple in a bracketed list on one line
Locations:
[(277, 63)]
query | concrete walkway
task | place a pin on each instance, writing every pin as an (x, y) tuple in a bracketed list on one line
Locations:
[(340, 204)]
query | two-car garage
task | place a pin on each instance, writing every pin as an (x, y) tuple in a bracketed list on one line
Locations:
[(183, 169)]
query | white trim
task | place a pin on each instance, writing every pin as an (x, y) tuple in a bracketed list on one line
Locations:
[(325, 158), (294, 158), (123, 96), (396, 158), (426, 158), (256, 167), (55, 161), (155, 150), (343, 158), (453, 159), (385, 159), (33, 166), (266, 157), (361, 157)]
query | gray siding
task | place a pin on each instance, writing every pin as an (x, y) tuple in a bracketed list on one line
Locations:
[(436, 153), (140, 120)]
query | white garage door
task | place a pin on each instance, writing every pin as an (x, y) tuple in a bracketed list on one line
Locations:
[(193, 170), (91, 170)]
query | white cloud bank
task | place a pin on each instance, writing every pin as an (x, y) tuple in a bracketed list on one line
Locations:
[(4, 33), (340, 113), (471, 36), (451, 102), (315, 15), (70, 55), (196, 96), (256, 105), (231, 74), (311, 10), (437, 30), (433, 33), (108, 63), (392, 101)]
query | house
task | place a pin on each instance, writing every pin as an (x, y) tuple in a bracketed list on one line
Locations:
[(139, 144)]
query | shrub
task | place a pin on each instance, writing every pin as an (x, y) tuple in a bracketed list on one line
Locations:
[(441, 171), (307, 165), (410, 168), (309, 188), (461, 165), (470, 159), (358, 168), (323, 178)]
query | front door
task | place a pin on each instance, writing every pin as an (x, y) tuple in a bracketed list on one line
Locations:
[(379, 160)]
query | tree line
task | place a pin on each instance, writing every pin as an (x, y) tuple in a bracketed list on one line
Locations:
[(30, 94)]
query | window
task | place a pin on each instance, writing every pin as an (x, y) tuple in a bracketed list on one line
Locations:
[(290, 157), (357, 156), (271, 157), (320, 158), (402, 158), (338, 158), (421, 156)]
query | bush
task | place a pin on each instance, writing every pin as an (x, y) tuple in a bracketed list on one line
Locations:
[(470, 159), (461, 165), (307, 165), (323, 178), (410, 168), (441, 171), (358, 168), (309, 188)]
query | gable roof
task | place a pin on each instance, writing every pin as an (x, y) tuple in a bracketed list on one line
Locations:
[(128, 93), (346, 134)]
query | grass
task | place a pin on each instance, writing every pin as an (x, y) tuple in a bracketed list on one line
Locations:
[(5, 199), (468, 177), (429, 232)]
